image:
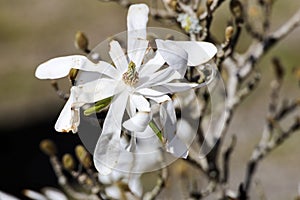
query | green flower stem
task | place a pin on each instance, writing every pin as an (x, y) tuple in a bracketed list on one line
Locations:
[(156, 130)]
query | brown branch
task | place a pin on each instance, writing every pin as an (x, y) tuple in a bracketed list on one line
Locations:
[(61, 94), (216, 4), (226, 160), (258, 49), (62, 181), (261, 152)]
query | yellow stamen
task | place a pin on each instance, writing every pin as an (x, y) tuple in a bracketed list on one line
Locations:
[(131, 77)]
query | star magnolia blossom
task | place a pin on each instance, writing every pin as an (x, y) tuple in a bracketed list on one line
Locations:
[(130, 82)]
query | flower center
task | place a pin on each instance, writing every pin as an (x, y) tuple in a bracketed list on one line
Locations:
[(131, 77)]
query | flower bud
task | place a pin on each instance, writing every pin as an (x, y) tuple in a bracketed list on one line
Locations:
[(72, 75), (172, 4), (83, 156), (48, 147), (68, 162), (81, 41), (228, 33)]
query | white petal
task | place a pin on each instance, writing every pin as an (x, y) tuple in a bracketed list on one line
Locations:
[(138, 122), (160, 99), (34, 195), (169, 122), (107, 149), (152, 65), (54, 194), (137, 51), (118, 57), (198, 52), (137, 19), (174, 87), (177, 148), (102, 68), (130, 108), (185, 132), (140, 102), (6, 196), (161, 77), (96, 90), (69, 118), (176, 57), (150, 92), (60, 67)]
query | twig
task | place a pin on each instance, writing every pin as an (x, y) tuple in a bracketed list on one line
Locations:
[(226, 159), (257, 50), (61, 94), (62, 181), (159, 185), (216, 4), (262, 151)]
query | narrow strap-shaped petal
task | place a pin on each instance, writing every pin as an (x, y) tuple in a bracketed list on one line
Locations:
[(69, 118), (107, 149), (161, 77), (137, 19), (159, 99), (96, 90), (168, 120), (198, 52), (137, 102), (60, 67), (175, 57), (174, 87), (152, 65), (150, 92), (140, 102), (138, 122), (137, 51), (118, 57), (131, 107)]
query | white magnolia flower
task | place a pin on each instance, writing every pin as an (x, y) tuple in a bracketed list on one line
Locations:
[(131, 81), (189, 23)]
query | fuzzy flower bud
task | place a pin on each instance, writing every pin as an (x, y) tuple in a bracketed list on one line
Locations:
[(83, 156), (68, 162), (48, 147), (81, 41), (228, 33)]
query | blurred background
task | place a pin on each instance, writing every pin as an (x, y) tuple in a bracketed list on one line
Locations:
[(34, 31)]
